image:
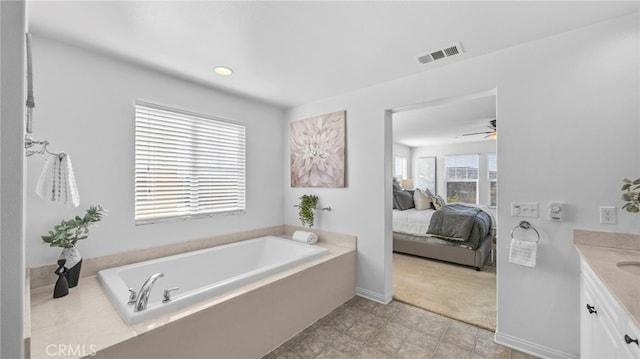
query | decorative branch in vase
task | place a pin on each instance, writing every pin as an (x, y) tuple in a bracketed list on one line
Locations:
[(66, 234)]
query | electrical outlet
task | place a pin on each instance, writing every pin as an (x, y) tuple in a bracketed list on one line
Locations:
[(608, 215)]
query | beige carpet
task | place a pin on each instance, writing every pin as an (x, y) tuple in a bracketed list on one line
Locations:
[(455, 291)]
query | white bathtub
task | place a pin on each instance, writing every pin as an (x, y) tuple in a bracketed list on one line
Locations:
[(203, 274)]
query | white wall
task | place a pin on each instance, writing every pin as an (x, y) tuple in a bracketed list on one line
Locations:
[(482, 148), (85, 107), (568, 132), (12, 276)]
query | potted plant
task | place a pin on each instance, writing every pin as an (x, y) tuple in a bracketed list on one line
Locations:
[(306, 207), (631, 195), (66, 234)]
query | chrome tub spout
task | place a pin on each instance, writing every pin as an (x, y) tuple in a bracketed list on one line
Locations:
[(145, 292)]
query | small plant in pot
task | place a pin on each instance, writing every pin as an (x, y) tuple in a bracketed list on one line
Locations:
[(631, 195), (66, 234), (306, 207)]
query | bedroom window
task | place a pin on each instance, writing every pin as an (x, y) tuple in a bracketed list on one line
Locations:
[(492, 160), (400, 168), (461, 178), (186, 165)]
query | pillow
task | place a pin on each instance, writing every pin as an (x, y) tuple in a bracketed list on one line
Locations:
[(437, 201), (421, 200), (403, 200), (396, 186)]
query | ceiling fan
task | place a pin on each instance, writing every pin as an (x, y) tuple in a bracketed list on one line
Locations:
[(493, 133)]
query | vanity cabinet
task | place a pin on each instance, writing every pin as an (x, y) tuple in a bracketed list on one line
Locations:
[(606, 331)]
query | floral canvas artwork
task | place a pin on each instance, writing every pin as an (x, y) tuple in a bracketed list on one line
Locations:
[(317, 151)]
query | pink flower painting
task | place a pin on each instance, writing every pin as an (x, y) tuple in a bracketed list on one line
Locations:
[(317, 151)]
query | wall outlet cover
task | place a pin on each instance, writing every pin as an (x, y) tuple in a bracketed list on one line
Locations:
[(608, 215)]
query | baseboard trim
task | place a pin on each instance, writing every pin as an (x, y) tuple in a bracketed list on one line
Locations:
[(531, 348), (376, 297)]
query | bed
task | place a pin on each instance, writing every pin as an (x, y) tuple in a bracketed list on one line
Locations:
[(456, 233)]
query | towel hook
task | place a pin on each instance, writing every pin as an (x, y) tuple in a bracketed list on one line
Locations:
[(526, 225), (30, 142), (328, 208)]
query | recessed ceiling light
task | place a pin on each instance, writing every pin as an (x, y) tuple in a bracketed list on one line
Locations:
[(223, 71)]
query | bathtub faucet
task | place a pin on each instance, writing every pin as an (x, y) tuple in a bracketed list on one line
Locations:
[(145, 292)]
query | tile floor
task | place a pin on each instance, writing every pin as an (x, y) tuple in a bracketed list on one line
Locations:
[(362, 328)]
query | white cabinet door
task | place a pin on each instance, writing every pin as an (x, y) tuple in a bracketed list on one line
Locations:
[(630, 336), (597, 339)]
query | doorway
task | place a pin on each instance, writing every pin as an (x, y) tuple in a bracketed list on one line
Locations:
[(448, 148)]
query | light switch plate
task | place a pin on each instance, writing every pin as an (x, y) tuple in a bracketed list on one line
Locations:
[(524, 209)]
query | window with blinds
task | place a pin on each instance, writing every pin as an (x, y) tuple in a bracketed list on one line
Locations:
[(187, 165), (492, 160), (461, 178)]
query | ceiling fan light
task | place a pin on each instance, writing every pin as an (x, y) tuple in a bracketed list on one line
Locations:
[(494, 135)]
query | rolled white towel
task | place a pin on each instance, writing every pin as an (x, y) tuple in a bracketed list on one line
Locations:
[(305, 237), (523, 252)]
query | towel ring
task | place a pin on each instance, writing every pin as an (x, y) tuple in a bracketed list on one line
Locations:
[(526, 225)]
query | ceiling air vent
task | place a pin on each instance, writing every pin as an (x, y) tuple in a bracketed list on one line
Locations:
[(441, 54)]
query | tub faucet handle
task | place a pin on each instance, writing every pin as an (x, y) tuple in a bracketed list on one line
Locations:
[(133, 295), (167, 294)]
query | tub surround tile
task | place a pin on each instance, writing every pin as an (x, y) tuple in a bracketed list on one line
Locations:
[(602, 250), (44, 275), (70, 319), (340, 239), (87, 316)]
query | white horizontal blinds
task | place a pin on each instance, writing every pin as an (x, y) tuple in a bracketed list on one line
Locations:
[(493, 166), (462, 167), (187, 165)]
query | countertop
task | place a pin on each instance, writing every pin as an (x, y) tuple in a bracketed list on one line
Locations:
[(601, 251), (85, 321)]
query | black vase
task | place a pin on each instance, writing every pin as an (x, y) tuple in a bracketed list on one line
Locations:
[(74, 264)]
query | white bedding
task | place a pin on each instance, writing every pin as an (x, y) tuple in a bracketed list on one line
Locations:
[(417, 222), (412, 221)]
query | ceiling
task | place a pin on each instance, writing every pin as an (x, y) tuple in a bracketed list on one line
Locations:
[(291, 53), (444, 121)]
